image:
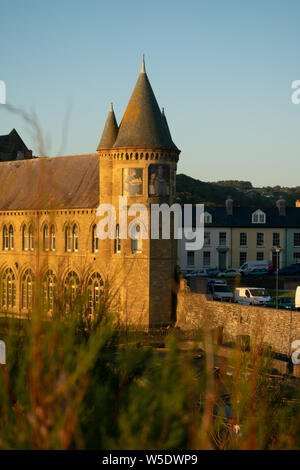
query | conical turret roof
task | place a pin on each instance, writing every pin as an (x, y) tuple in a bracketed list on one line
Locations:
[(143, 125), (110, 131), (167, 130)]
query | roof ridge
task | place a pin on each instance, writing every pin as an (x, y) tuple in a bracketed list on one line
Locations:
[(48, 158)]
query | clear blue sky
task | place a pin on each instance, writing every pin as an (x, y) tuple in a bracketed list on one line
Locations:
[(222, 70)]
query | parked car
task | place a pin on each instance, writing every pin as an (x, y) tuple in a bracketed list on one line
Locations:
[(253, 265), (257, 272), (197, 273), (219, 282), (251, 295), (220, 291), (284, 303), (289, 271), (229, 273), (212, 272)]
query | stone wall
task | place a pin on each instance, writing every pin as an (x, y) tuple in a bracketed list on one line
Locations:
[(277, 328)]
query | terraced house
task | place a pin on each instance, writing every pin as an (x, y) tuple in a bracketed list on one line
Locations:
[(234, 235), (48, 219)]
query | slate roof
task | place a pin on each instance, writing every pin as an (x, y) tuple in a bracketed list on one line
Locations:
[(143, 125), (110, 131), (10, 145), (242, 217), (50, 183)]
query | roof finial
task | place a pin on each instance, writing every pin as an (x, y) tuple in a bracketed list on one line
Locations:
[(163, 111), (143, 65), (111, 107)]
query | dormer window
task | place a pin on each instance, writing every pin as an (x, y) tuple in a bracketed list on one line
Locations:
[(258, 217), (207, 218)]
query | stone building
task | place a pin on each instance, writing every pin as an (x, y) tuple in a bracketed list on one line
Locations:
[(12, 147), (48, 219), (235, 235)]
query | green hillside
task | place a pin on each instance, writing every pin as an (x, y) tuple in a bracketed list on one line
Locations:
[(193, 191)]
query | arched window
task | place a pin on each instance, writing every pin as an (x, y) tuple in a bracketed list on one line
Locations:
[(31, 238), (8, 289), (11, 237), (72, 285), (52, 238), (95, 240), (258, 217), (68, 239), (49, 288), (117, 248), (46, 238), (136, 240), (95, 287), (24, 238), (5, 238), (26, 289), (75, 238), (206, 218)]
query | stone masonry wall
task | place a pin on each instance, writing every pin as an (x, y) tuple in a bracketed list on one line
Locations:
[(277, 328)]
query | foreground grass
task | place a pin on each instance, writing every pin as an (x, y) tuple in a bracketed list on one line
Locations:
[(76, 383)]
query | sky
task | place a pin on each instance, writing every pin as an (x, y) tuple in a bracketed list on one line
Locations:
[(221, 69)]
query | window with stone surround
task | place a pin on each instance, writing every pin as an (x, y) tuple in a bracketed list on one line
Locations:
[(276, 239), (190, 258), (206, 258), (243, 238), (243, 257), (95, 240), (259, 256), (296, 238), (259, 239), (206, 238), (222, 238)]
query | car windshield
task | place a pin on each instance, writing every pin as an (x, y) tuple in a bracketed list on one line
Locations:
[(221, 288), (259, 292)]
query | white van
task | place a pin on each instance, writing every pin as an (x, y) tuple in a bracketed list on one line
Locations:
[(251, 295), (297, 298), (252, 265)]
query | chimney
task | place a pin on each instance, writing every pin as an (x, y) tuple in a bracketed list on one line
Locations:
[(281, 206), (229, 205)]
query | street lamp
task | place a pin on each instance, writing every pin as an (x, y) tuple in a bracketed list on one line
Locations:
[(277, 250)]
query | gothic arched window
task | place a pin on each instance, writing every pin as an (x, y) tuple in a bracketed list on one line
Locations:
[(136, 240), (5, 238), (117, 241), (46, 238), (95, 240), (24, 238), (95, 287), (75, 238), (52, 238), (11, 237), (68, 239), (8, 289), (26, 289), (72, 285), (31, 238), (49, 288)]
